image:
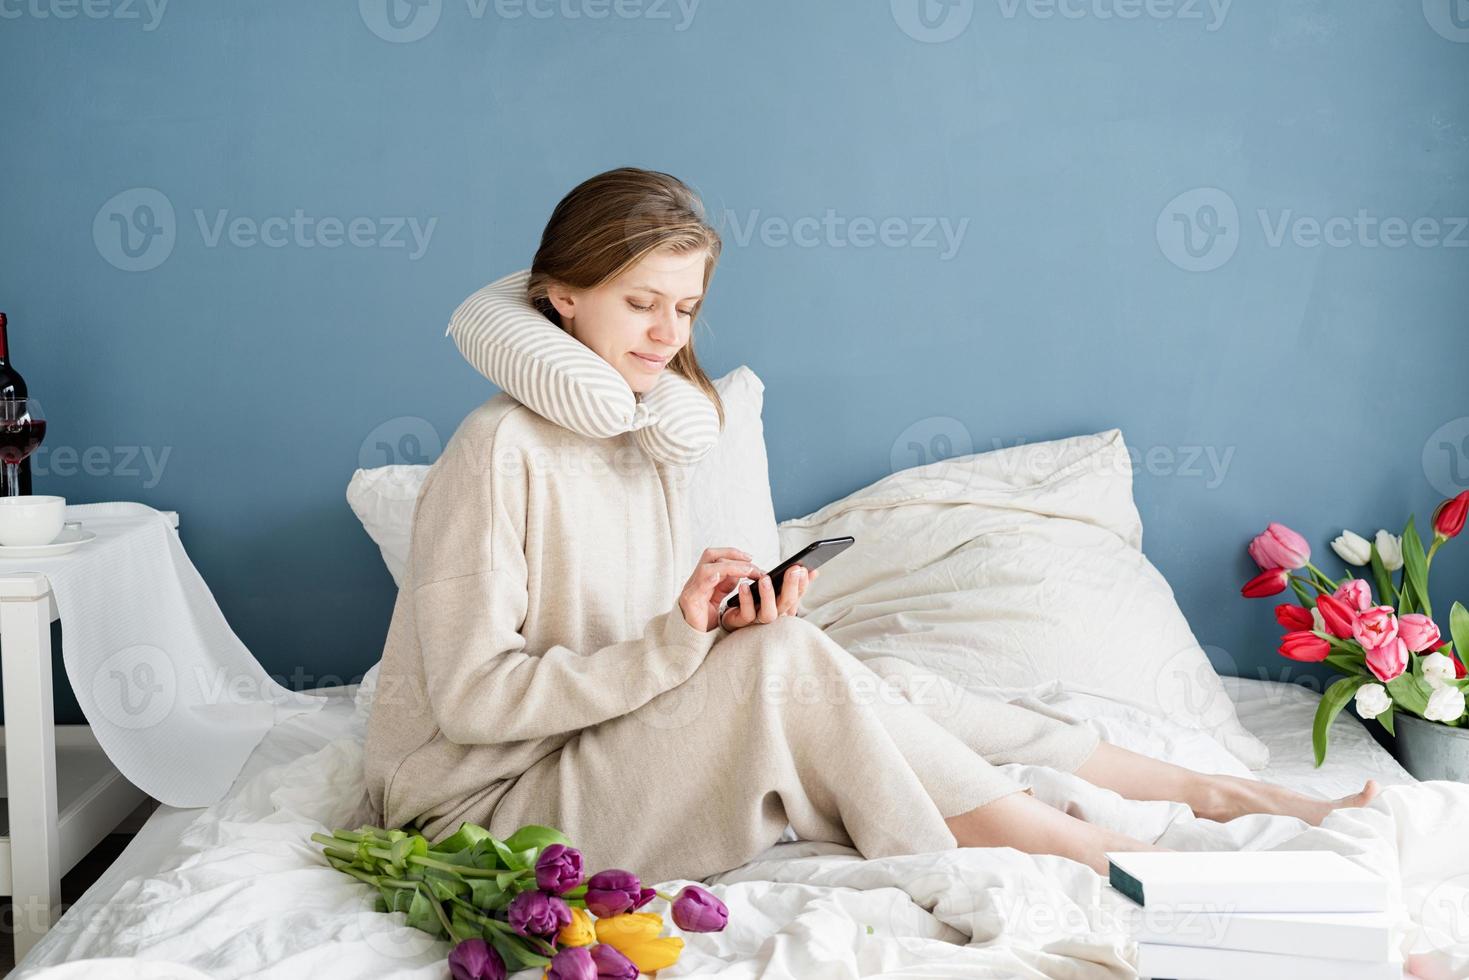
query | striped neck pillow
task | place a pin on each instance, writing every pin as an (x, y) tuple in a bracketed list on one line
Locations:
[(502, 334)]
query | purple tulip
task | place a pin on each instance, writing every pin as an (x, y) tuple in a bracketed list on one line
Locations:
[(612, 965), (644, 897), (613, 892), (475, 959), (697, 910), (539, 914), (573, 963), (558, 869)]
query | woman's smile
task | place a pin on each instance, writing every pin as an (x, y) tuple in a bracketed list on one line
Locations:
[(649, 362)]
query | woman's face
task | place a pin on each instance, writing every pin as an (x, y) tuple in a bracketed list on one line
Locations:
[(639, 320)]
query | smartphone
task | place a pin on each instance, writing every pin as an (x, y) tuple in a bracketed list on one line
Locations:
[(814, 555)]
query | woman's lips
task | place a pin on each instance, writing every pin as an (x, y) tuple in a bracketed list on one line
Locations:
[(650, 362)]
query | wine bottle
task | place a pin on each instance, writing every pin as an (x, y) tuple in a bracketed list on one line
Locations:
[(14, 386)]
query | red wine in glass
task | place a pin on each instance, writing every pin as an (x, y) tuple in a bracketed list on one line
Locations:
[(19, 438), (22, 427)]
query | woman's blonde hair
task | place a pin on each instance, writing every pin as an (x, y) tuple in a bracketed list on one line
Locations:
[(606, 225)]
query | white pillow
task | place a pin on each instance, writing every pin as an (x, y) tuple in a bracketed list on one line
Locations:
[(502, 334), (1012, 568), (729, 496)]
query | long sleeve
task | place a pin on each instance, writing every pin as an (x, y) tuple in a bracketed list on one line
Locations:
[(470, 596)]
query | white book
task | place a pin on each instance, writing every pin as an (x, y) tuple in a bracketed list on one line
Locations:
[(1329, 935), (1198, 963), (1247, 881)]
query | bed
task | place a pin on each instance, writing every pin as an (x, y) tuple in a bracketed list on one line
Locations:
[(237, 890), (1015, 572)]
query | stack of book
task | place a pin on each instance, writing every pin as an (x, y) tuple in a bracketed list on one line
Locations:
[(1264, 915)]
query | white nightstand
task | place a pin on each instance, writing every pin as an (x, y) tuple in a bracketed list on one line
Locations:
[(63, 794)]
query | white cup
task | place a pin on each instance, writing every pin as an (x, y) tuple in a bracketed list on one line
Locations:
[(31, 520)]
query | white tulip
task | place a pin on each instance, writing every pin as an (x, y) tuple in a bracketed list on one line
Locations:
[(1372, 700), (1318, 621), (1390, 549), (1445, 704), (1438, 670), (1352, 548)]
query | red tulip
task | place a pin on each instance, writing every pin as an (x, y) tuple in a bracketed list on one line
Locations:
[(1448, 519), (1272, 581), (1294, 617), (1337, 615), (1458, 667), (1305, 646), (1279, 547)]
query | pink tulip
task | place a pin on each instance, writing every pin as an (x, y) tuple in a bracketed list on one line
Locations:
[(1355, 593), (1305, 646), (1272, 581), (1279, 547), (1338, 617), (1376, 627), (1388, 660), (1418, 632)]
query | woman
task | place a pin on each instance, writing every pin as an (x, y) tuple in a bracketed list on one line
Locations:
[(534, 672)]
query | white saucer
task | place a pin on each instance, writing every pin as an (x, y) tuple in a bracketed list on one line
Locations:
[(60, 545)]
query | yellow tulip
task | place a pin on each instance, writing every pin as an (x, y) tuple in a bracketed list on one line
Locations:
[(655, 954), (636, 936), (579, 931), (629, 929)]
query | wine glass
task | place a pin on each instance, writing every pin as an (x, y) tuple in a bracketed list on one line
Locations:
[(22, 427)]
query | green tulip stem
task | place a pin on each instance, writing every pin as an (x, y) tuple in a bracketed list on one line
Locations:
[(667, 898), (1431, 549), (1312, 583), (360, 875), (1331, 586)]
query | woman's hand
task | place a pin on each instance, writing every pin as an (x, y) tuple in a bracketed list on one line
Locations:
[(718, 571), (743, 613)]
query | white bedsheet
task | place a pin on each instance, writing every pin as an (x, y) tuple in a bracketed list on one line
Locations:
[(237, 889)]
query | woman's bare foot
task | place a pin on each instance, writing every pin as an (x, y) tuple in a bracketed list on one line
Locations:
[(1021, 821), (1229, 797)]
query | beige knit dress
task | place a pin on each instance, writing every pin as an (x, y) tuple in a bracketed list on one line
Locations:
[(538, 669)]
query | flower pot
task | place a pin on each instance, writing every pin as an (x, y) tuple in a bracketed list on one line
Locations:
[(1430, 750)]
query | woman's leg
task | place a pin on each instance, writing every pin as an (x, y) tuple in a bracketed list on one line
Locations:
[(1023, 822), (1215, 797)]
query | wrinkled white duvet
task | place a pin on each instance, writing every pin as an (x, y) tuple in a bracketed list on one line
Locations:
[(245, 894)]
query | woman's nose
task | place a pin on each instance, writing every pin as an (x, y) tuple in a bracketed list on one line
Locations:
[(667, 330)]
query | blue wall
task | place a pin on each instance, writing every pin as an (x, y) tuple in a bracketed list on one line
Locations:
[(1100, 168)]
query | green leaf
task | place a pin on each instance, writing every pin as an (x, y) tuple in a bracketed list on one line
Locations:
[(1410, 692), (1415, 567), (1459, 626), (489, 895), (1386, 719), (466, 836), (1349, 665), (536, 837), (1306, 598), (1332, 701), (421, 914), (1383, 578)]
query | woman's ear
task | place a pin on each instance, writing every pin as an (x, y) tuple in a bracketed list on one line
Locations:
[(563, 299)]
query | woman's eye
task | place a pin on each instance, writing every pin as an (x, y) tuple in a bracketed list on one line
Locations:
[(640, 309), (686, 312)]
